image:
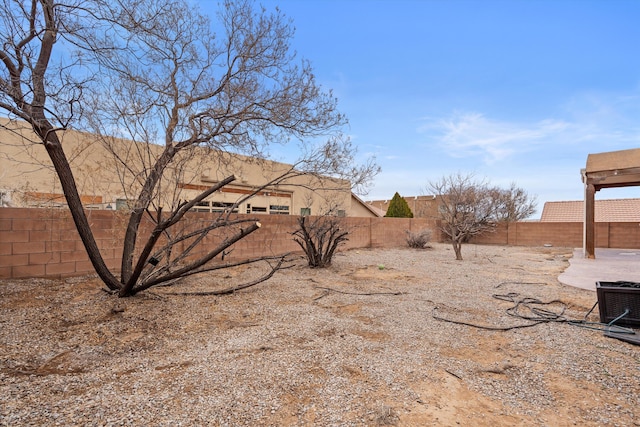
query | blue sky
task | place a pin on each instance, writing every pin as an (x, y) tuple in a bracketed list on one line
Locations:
[(512, 91)]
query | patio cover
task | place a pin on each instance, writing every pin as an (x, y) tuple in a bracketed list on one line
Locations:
[(606, 170)]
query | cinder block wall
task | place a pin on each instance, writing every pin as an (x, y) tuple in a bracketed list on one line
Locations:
[(276, 234), (621, 235), (45, 243)]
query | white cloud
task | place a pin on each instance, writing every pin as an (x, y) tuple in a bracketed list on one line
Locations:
[(472, 134)]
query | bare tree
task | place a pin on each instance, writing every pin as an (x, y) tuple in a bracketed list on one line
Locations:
[(156, 74), (468, 207), (514, 204)]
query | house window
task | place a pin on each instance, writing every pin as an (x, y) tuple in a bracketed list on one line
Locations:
[(224, 207), (258, 209), (341, 213), (202, 207), (305, 211), (279, 210), (217, 207)]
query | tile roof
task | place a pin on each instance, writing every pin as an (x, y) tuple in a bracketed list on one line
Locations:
[(612, 210)]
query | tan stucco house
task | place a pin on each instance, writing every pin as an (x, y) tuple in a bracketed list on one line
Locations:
[(27, 178)]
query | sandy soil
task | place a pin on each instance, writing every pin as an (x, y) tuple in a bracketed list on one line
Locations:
[(359, 343)]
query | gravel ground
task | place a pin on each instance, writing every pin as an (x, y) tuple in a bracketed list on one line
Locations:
[(362, 343)]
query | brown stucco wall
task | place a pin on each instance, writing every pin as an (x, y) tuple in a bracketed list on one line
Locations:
[(621, 235), (44, 242)]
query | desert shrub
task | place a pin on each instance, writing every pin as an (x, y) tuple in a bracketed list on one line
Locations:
[(419, 239), (319, 237)]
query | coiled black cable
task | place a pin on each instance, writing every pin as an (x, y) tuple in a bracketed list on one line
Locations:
[(538, 312)]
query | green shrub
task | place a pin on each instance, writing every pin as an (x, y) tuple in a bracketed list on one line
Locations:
[(398, 208)]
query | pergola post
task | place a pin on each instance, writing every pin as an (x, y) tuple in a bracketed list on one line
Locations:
[(589, 221)]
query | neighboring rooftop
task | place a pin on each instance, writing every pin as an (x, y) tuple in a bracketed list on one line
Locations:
[(612, 210), (421, 206)]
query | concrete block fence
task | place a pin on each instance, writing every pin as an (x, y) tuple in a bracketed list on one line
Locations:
[(45, 243), (622, 235)]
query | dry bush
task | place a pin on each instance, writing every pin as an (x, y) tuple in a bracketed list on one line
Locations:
[(319, 237), (419, 239)]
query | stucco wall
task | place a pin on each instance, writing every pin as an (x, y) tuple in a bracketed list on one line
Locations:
[(27, 178), (44, 242), (623, 235)]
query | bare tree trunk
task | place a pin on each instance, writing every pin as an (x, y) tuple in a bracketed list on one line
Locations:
[(35, 110), (457, 248), (67, 181), (146, 194), (164, 225)]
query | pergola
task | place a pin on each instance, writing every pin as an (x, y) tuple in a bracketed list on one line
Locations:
[(606, 170)]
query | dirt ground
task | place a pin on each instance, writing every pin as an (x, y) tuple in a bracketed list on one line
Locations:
[(357, 344)]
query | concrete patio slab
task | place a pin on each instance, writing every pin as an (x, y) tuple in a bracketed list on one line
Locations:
[(610, 265)]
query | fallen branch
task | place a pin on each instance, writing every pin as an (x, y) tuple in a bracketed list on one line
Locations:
[(233, 289)]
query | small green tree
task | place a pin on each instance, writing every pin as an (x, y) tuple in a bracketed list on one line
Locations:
[(398, 208)]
